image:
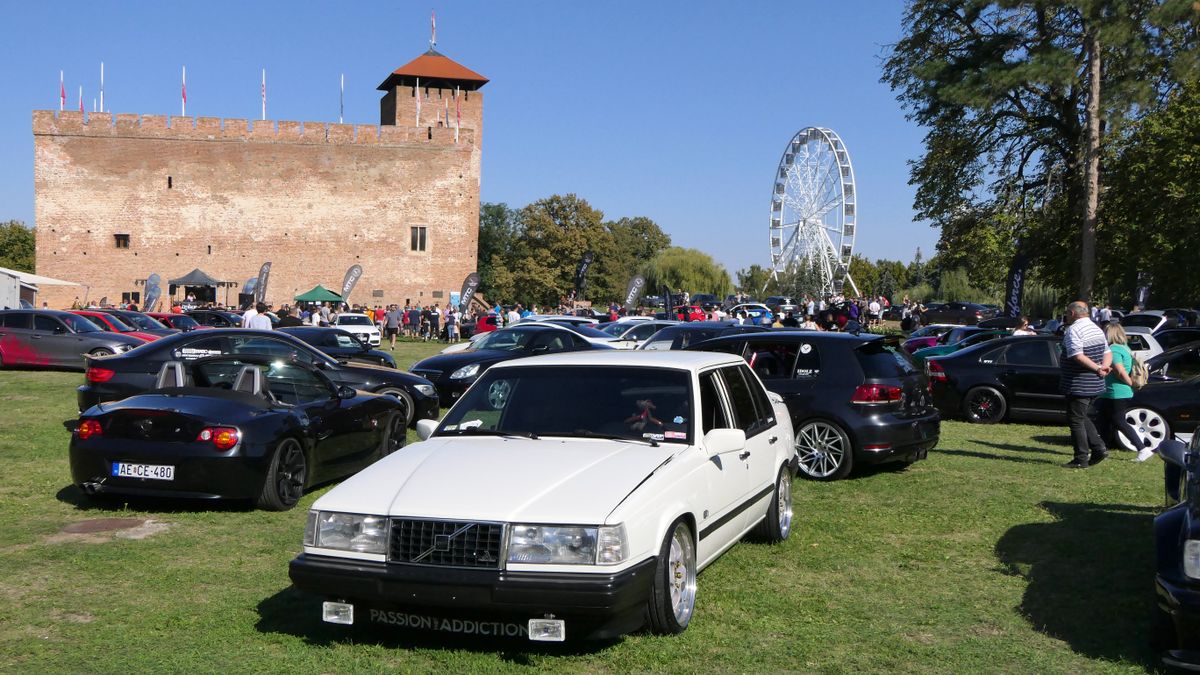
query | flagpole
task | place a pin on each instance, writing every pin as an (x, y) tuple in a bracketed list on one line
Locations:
[(418, 92), (342, 100), (62, 92), (183, 95), (264, 94), (101, 86)]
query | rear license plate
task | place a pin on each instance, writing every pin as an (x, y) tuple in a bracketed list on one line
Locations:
[(151, 471)]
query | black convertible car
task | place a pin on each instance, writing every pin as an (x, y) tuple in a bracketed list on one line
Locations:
[(341, 345), (1177, 543), (117, 377), (244, 427)]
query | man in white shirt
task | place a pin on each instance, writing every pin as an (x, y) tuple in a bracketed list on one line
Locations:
[(512, 317), (249, 314), (260, 320)]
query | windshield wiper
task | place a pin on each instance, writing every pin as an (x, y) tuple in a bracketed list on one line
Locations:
[(478, 431), (588, 433)]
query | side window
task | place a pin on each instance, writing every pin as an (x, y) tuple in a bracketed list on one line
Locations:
[(1184, 366), (196, 349), (549, 341), (1138, 343), (46, 324), (1028, 354), (712, 413), (294, 385), (642, 332), (771, 360), (340, 340), (808, 361), (742, 400), (766, 412), (737, 348)]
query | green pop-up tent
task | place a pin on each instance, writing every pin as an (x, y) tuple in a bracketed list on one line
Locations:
[(318, 294)]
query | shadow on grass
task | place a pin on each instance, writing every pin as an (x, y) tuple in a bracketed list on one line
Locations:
[(294, 612), (1063, 440), (1019, 448), (989, 455), (1090, 577), (71, 494)]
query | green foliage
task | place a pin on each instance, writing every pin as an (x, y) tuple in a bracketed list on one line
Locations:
[(922, 293), (687, 269), (752, 280), (1041, 301), (17, 246), (956, 286)]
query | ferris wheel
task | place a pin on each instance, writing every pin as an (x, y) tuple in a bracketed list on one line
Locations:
[(813, 212)]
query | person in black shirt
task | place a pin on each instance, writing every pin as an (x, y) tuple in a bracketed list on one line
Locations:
[(290, 319), (790, 321)]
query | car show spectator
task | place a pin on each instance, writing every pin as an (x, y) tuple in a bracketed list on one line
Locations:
[(1086, 362), (259, 320), (1118, 390)]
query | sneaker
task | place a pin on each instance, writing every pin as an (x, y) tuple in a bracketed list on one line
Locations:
[(1075, 465), (1143, 455), (1097, 457)]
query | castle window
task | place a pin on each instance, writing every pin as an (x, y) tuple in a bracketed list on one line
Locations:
[(169, 186), (121, 240), (419, 235)]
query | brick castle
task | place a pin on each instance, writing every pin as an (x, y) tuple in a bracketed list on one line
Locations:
[(119, 197)]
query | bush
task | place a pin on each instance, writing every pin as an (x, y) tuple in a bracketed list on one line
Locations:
[(1042, 301)]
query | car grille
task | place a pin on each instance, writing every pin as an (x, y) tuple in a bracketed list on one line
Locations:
[(446, 543), (431, 375)]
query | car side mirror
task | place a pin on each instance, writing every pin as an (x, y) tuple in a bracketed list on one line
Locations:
[(1173, 452), (425, 428), (719, 441), (345, 393)]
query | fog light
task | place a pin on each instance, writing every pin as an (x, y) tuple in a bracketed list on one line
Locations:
[(337, 612), (547, 630)]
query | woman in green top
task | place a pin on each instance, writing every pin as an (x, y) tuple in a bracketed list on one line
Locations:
[(1118, 390)]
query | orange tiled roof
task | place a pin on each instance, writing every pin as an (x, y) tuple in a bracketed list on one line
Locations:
[(434, 66)]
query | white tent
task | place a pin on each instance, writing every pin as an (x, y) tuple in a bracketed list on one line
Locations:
[(17, 287)]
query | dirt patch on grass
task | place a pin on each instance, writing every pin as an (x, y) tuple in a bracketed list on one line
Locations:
[(102, 530)]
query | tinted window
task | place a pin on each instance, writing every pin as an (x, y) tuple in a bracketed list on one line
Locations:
[(712, 413), (46, 324), (1029, 354), (1144, 320), (196, 349), (15, 320), (1183, 366), (1171, 339), (114, 321), (772, 360), (642, 332), (354, 320), (741, 398), (80, 324), (882, 360), (551, 341), (766, 412), (294, 385), (268, 347), (808, 361), (1138, 343), (343, 340), (183, 322)]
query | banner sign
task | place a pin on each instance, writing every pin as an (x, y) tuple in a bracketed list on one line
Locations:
[(260, 289), (633, 292), (153, 292), (581, 271), (1143, 290), (349, 281), (470, 285), (1016, 283)]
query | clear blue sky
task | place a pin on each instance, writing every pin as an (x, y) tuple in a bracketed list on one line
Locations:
[(673, 110)]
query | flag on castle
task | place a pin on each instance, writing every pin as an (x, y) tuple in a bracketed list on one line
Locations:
[(432, 29), (62, 92), (264, 94), (183, 92), (418, 92), (80, 99), (457, 115)]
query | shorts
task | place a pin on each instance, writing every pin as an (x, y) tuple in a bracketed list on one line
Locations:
[(392, 330)]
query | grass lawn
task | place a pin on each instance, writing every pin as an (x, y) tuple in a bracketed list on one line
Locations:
[(987, 557)]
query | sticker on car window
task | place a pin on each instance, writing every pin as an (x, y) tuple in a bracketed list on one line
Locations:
[(654, 437), (675, 434), (678, 419), (805, 348), (472, 424)]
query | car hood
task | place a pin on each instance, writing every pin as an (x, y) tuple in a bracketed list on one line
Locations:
[(549, 480), (380, 374), (455, 360)]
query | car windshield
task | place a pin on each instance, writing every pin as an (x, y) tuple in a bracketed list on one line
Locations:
[(113, 323), (616, 402), (1143, 320), (354, 320), (506, 340), (183, 322), (930, 331), (80, 324), (614, 329), (142, 321)]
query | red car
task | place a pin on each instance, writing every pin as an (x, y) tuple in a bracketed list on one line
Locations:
[(487, 323), (114, 324), (689, 313), (181, 322)]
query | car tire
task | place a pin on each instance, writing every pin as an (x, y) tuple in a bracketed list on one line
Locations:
[(286, 477), (824, 450), (673, 593), (777, 524), (405, 400), (1149, 425), (395, 437), (984, 405)]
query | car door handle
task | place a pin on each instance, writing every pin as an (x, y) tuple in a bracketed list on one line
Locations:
[(773, 440), (744, 455), (36, 337)]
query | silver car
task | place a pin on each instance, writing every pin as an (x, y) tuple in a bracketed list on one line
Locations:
[(48, 338)]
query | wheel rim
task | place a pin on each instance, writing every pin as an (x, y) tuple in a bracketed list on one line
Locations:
[(395, 439), (783, 503), (102, 352), (984, 406), (498, 393), (681, 575), (403, 399), (290, 473), (1149, 427), (822, 449)]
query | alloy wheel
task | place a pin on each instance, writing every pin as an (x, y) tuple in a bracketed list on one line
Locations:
[(822, 449)]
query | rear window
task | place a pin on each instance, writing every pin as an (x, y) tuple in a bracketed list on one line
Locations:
[(881, 359), (1138, 343), (1143, 320)]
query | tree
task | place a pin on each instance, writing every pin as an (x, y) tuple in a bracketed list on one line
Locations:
[(752, 280), (687, 269), (17, 246), (635, 242), (1018, 97), (499, 231)]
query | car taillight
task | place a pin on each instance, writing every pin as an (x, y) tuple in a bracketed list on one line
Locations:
[(876, 393), (95, 374), (88, 428), (223, 438), (936, 371)]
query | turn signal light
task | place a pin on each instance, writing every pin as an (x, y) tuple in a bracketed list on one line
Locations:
[(95, 374), (89, 428), (223, 438), (936, 372), (876, 393)]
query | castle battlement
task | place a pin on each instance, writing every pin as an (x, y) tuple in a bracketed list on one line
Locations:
[(240, 130)]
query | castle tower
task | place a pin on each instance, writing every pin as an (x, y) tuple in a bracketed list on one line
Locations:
[(432, 90)]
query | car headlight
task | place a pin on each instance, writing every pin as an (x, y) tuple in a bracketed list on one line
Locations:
[(121, 349), (567, 544), (465, 372), (1191, 558), (346, 532), (426, 389)]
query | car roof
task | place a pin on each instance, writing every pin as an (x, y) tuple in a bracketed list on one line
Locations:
[(48, 312), (685, 360), (797, 334), (341, 314)]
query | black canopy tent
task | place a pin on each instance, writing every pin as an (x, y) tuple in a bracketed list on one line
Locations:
[(197, 279)]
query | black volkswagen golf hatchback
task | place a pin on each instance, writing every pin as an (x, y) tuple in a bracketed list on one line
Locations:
[(854, 399), (121, 376)]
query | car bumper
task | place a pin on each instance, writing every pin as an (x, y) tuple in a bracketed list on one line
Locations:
[(888, 438), (592, 605), (1181, 604), (198, 474), (427, 407)]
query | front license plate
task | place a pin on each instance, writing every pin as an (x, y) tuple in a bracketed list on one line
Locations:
[(151, 471)]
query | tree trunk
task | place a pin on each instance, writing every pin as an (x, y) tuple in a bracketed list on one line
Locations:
[(1091, 170)]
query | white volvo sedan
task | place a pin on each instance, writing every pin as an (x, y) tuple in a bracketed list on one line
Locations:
[(569, 494)]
